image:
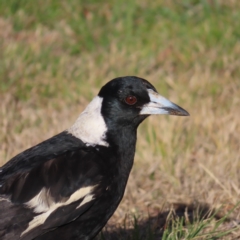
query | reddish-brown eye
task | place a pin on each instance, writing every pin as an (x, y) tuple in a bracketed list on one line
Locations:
[(130, 100)]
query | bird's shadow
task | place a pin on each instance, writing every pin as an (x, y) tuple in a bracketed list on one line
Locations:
[(153, 227)]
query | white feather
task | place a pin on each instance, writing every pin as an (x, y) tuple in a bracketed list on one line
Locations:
[(90, 126), (43, 203)]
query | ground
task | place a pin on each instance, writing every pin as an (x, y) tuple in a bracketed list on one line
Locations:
[(54, 57)]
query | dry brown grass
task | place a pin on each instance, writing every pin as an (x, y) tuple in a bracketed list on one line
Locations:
[(179, 161)]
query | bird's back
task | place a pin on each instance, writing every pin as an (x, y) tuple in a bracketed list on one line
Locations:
[(62, 193)]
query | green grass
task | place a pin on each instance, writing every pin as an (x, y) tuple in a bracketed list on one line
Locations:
[(56, 54), (186, 32), (207, 225)]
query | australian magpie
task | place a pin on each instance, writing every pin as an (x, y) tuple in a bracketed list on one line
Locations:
[(68, 186)]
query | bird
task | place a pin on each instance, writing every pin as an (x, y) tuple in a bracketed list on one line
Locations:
[(68, 186)]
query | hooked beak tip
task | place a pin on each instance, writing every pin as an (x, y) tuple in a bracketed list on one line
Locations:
[(177, 111)]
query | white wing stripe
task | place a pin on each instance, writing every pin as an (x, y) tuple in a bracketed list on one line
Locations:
[(44, 203)]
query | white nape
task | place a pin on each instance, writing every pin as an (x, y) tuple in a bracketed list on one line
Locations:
[(90, 126)]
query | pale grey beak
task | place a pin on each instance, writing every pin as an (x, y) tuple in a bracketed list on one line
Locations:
[(160, 105)]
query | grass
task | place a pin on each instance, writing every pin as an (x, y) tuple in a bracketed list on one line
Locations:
[(194, 221), (54, 57)]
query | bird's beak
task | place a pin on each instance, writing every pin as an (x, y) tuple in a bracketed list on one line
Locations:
[(160, 105)]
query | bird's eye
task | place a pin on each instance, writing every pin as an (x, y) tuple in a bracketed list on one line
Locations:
[(131, 100)]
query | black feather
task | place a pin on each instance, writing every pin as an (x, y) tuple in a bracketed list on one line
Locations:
[(64, 188)]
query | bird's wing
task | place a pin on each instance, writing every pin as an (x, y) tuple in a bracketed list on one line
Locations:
[(47, 186), (40, 153)]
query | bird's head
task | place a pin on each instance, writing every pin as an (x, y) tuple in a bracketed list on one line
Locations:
[(122, 104), (129, 100)]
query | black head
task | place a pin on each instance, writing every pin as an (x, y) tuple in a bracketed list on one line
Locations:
[(123, 99), (127, 101)]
